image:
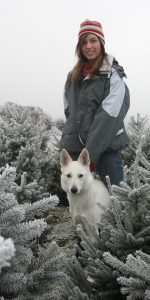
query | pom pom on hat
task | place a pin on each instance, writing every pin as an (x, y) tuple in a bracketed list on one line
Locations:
[(92, 27)]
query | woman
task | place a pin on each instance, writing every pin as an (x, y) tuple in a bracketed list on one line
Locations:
[(96, 100)]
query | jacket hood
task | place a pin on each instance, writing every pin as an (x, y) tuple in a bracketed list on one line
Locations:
[(105, 67)]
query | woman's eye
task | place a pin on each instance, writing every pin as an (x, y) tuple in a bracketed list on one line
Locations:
[(80, 176)]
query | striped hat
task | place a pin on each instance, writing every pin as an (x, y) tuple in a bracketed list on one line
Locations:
[(92, 27)]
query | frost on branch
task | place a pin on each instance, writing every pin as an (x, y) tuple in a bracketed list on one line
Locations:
[(7, 251)]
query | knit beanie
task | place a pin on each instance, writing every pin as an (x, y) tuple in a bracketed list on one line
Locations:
[(92, 27)]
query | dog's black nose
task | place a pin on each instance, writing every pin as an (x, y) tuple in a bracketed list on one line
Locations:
[(74, 190)]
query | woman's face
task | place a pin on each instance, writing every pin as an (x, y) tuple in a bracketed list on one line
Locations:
[(91, 47)]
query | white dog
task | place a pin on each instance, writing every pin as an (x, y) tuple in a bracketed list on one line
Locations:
[(83, 191)]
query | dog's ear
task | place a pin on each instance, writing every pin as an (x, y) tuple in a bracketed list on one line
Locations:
[(84, 158), (64, 158)]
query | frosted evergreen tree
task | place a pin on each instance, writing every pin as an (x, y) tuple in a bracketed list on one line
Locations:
[(36, 114), (26, 135), (27, 277), (136, 128), (135, 275), (24, 145)]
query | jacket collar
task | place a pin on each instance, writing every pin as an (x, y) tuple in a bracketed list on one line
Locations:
[(105, 69)]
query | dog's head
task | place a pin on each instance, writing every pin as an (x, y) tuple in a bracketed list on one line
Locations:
[(76, 175)]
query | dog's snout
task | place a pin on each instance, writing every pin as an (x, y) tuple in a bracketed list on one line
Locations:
[(74, 190)]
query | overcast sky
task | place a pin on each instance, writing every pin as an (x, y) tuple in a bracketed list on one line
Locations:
[(38, 40)]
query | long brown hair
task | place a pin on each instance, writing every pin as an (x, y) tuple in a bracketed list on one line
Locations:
[(75, 74)]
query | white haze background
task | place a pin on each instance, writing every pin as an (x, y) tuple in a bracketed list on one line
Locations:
[(37, 48)]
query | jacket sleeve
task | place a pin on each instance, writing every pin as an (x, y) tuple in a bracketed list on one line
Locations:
[(66, 107), (108, 120)]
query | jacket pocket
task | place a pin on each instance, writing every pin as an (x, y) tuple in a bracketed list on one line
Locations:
[(70, 138), (70, 126), (120, 142)]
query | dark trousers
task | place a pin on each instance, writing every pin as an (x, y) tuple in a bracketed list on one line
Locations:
[(110, 164)]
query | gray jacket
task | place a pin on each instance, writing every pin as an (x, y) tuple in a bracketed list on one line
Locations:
[(95, 112)]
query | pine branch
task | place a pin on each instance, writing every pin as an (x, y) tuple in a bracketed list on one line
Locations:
[(27, 231)]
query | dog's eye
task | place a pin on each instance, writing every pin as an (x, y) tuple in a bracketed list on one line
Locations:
[(80, 176), (68, 175)]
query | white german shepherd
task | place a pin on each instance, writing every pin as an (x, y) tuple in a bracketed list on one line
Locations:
[(83, 191)]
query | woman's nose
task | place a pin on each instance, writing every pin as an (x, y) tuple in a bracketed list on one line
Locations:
[(88, 45)]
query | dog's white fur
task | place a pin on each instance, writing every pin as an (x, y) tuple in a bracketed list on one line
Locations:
[(83, 191)]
